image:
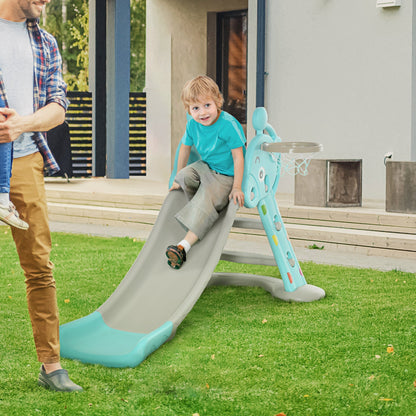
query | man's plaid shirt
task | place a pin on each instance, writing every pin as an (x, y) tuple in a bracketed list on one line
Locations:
[(48, 84)]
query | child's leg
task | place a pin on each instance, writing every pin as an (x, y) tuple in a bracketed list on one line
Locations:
[(8, 213), (6, 157), (4, 199), (189, 180), (189, 240), (201, 212)]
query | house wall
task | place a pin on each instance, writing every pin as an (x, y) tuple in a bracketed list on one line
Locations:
[(176, 50), (341, 73)]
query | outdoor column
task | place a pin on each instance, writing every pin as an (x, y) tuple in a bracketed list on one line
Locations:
[(97, 81), (118, 88), (261, 53)]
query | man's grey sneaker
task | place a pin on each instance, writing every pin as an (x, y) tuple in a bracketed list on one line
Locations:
[(57, 381), (10, 216)]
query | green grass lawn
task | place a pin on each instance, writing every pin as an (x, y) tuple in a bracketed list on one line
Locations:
[(238, 352)]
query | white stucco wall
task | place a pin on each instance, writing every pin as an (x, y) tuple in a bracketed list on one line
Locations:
[(340, 73), (158, 90), (176, 50)]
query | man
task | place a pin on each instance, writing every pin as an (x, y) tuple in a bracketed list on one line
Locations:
[(32, 87)]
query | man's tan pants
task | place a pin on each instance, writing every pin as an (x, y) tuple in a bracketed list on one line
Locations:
[(27, 192)]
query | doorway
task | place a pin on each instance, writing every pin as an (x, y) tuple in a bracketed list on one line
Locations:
[(231, 61)]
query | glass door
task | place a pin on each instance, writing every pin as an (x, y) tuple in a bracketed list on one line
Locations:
[(232, 62)]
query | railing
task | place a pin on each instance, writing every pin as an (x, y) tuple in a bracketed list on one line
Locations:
[(79, 119)]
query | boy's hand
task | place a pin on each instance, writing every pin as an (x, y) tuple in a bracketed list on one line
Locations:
[(237, 195), (174, 186)]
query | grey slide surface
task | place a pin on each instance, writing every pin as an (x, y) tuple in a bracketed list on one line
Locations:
[(153, 299), (153, 293)]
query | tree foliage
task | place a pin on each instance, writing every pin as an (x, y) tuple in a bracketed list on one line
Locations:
[(72, 33), (137, 45)]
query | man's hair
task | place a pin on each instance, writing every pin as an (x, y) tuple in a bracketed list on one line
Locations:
[(201, 87)]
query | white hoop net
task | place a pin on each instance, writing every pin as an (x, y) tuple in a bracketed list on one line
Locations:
[(294, 157), (295, 163)]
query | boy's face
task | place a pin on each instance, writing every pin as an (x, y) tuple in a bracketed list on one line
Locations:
[(204, 111)]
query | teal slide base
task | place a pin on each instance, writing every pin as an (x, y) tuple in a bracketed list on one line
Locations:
[(90, 340)]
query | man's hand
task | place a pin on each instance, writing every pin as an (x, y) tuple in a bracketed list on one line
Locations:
[(43, 119), (9, 125)]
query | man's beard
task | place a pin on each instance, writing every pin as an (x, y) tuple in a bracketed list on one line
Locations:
[(30, 10)]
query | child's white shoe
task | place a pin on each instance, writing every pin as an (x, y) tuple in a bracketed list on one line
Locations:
[(10, 216)]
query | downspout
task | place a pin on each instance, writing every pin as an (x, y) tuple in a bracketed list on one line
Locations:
[(261, 54), (413, 88)]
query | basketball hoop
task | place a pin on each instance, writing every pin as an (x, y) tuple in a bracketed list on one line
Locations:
[(294, 156)]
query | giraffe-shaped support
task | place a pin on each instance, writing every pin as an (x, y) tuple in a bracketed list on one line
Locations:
[(261, 177)]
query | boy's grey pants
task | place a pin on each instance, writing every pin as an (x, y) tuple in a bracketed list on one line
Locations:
[(207, 192)]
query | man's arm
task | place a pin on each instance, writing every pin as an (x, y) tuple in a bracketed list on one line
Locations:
[(43, 119)]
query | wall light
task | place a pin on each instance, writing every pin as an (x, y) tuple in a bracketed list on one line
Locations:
[(389, 3)]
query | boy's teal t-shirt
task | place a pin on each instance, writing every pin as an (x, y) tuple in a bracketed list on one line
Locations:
[(214, 142)]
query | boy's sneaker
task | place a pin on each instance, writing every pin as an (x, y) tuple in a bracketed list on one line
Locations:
[(10, 216), (176, 256)]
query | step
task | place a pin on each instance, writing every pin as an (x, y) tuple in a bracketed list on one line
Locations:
[(101, 199), (374, 242), (91, 214), (352, 218), (322, 234), (365, 242)]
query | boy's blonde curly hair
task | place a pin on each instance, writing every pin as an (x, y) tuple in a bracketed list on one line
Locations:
[(199, 88)]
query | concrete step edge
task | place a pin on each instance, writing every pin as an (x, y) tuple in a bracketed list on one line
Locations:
[(109, 216)]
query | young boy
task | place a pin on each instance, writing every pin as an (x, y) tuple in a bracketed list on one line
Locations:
[(211, 182), (8, 213)]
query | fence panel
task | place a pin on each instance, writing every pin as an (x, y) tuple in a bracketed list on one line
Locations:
[(137, 134), (79, 119)]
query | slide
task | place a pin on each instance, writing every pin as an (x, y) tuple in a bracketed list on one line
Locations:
[(152, 299)]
